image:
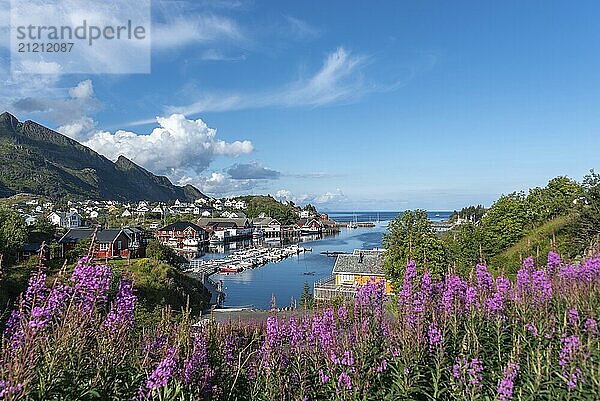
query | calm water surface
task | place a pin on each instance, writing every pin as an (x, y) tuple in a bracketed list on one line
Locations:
[(285, 280)]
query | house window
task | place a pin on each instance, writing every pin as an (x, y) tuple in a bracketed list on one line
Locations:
[(103, 247), (347, 278), (119, 245)]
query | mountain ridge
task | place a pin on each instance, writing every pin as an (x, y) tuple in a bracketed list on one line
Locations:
[(41, 161)]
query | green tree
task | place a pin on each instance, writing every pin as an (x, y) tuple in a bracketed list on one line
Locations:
[(463, 245), (585, 228), (163, 253), (411, 237), (13, 233), (556, 199), (306, 299), (44, 227), (505, 223)]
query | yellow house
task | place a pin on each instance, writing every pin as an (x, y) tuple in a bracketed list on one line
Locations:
[(350, 271)]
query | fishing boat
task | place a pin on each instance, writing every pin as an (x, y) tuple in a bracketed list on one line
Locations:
[(230, 269)]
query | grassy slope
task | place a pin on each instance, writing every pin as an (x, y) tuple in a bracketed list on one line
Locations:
[(538, 241), (156, 284)]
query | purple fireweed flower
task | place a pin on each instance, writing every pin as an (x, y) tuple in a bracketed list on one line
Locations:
[(163, 372), (554, 262), (369, 297), (570, 354), (523, 284), (436, 341), (12, 323), (485, 282), (272, 331), (471, 300), (453, 293), (528, 263), (347, 359), (293, 332), (382, 366), (474, 373), (468, 373), (121, 314), (58, 299), (541, 286), (323, 378), (7, 389), (532, 329), (36, 290), (457, 367), (506, 385), (91, 284), (405, 293), (344, 381), (502, 285), (591, 327), (342, 313), (196, 367), (573, 317)]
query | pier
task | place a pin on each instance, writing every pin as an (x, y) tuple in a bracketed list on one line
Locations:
[(235, 263)]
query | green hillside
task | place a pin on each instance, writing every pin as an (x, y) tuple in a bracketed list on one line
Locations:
[(537, 242)]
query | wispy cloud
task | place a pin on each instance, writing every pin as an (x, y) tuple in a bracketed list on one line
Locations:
[(300, 28), (180, 31), (340, 79), (218, 55)]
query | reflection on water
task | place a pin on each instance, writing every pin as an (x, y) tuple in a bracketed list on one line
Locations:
[(286, 278)]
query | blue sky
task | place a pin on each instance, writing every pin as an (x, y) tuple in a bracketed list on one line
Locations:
[(373, 106)]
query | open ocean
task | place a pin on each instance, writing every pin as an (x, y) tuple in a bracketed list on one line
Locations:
[(285, 279)]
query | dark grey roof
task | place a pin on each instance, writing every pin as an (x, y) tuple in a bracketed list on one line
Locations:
[(180, 226), (369, 264), (109, 235), (33, 247), (76, 235), (102, 236)]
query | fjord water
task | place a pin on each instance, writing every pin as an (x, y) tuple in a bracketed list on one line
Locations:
[(285, 279)]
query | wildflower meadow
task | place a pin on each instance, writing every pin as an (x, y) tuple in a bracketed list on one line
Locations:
[(458, 338)]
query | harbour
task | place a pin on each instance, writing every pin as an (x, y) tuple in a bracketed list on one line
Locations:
[(283, 279)]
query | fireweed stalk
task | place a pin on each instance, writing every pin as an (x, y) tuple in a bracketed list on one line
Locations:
[(481, 337)]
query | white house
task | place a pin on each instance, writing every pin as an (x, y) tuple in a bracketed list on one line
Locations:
[(126, 213), (29, 220), (304, 214), (67, 220)]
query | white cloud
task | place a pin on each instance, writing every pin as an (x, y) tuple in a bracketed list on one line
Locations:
[(217, 55), (40, 96), (283, 194), (339, 79), (300, 28), (252, 171), (79, 128), (41, 67), (83, 90), (182, 31), (218, 184), (328, 198), (176, 146)]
